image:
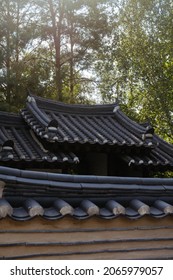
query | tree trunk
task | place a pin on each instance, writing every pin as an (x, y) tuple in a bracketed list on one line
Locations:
[(57, 28), (8, 56), (71, 58), (17, 51)]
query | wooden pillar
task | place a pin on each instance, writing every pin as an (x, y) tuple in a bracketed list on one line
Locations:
[(2, 185)]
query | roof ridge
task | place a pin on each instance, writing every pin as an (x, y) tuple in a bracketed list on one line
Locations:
[(82, 179), (42, 101)]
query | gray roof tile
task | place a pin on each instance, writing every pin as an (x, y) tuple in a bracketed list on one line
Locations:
[(19, 143), (51, 213), (97, 124), (28, 194), (81, 123)]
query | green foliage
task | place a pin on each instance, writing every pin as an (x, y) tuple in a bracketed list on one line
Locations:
[(49, 47), (75, 50), (136, 68)]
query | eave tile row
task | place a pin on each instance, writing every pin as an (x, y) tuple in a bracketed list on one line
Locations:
[(86, 209)]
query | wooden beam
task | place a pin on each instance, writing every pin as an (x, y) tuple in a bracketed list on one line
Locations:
[(2, 185)]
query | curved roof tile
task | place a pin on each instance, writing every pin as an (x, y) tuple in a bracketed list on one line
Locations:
[(23, 213), (27, 194), (85, 124), (18, 142), (103, 124)]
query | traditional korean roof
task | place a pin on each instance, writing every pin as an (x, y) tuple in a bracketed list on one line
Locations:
[(26, 194), (19, 143), (97, 124), (102, 124), (161, 155), (50, 121)]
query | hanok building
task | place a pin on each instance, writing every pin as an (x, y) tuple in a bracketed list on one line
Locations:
[(77, 182)]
